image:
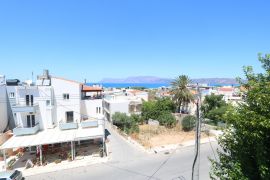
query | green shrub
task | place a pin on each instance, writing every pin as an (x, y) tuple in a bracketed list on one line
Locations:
[(188, 122), (167, 119), (126, 123)]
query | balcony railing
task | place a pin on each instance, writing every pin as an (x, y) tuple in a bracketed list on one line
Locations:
[(89, 123), (25, 108), (91, 97), (20, 131), (68, 125)]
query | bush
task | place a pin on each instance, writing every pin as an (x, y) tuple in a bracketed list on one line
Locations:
[(188, 122), (167, 119), (126, 123)]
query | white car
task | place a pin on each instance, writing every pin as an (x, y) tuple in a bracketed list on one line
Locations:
[(11, 175)]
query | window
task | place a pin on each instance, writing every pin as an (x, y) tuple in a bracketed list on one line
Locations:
[(70, 116), (99, 110), (48, 102), (96, 110), (12, 95), (65, 96)]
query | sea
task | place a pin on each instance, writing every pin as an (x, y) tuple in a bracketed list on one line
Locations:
[(147, 85)]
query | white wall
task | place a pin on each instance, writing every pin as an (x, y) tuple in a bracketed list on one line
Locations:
[(88, 107), (3, 108), (61, 86)]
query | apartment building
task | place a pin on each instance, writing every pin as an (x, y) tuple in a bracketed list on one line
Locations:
[(127, 101), (53, 110)]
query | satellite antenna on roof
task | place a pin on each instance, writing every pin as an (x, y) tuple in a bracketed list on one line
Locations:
[(32, 76)]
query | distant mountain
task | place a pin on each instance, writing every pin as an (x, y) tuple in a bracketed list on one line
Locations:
[(215, 81), (157, 80)]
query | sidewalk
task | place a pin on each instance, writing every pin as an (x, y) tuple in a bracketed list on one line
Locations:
[(52, 167)]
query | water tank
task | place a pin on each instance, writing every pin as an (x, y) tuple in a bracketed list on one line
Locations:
[(12, 82), (2, 80), (46, 73)]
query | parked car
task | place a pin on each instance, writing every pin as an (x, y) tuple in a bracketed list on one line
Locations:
[(11, 175)]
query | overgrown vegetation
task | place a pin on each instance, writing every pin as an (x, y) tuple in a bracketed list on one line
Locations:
[(214, 108), (160, 110), (245, 143), (128, 124), (188, 123)]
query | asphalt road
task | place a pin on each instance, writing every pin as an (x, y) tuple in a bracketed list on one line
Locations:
[(128, 162)]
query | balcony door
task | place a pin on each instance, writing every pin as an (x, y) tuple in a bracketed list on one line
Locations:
[(31, 121), (29, 99), (70, 116)]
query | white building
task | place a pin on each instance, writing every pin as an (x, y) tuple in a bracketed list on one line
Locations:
[(124, 101), (3, 105), (54, 110)]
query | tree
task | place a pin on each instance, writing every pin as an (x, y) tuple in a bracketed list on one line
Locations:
[(153, 109), (245, 152), (214, 108), (160, 110), (181, 94), (188, 123)]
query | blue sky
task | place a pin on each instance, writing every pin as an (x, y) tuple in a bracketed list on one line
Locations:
[(95, 39)]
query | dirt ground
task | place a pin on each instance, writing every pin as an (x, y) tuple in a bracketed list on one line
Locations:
[(154, 136)]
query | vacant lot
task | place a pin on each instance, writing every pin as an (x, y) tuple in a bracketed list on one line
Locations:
[(153, 136)]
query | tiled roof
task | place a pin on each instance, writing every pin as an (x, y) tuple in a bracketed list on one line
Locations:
[(91, 88), (225, 89)]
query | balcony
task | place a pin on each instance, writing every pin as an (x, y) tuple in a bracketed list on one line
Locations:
[(89, 123), (20, 131), (91, 97), (68, 125), (25, 108)]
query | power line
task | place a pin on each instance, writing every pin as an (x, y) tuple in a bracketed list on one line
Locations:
[(211, 145), (164, 162)]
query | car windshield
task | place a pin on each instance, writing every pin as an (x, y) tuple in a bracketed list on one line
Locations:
[(15, 174)]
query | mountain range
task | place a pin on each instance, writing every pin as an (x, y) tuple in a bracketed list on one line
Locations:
[(158, 80)]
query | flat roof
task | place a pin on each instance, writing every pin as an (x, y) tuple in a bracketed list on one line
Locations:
[(53, 136)]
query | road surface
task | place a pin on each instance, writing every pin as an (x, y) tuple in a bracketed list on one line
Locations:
[(130, 163)]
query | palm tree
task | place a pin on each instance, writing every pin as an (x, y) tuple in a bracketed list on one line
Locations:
[(181, 94)]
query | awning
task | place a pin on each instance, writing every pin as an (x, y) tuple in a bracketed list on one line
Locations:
[(52, 136)]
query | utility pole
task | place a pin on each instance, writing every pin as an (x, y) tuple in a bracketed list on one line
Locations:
[(196, 162)]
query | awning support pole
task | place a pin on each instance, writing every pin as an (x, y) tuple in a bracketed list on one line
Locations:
[(71, 146), (5, 158), (40, 154), (103, 143), (74, 150)]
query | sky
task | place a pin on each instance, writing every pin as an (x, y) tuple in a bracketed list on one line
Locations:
[(95, 39)]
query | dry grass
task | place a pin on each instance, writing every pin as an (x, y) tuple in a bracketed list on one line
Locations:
[(152, 136)]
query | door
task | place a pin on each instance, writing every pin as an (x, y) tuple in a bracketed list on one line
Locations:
[(69, 116), (32, 100), (29, 99), (31, 121), (28, 118)]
